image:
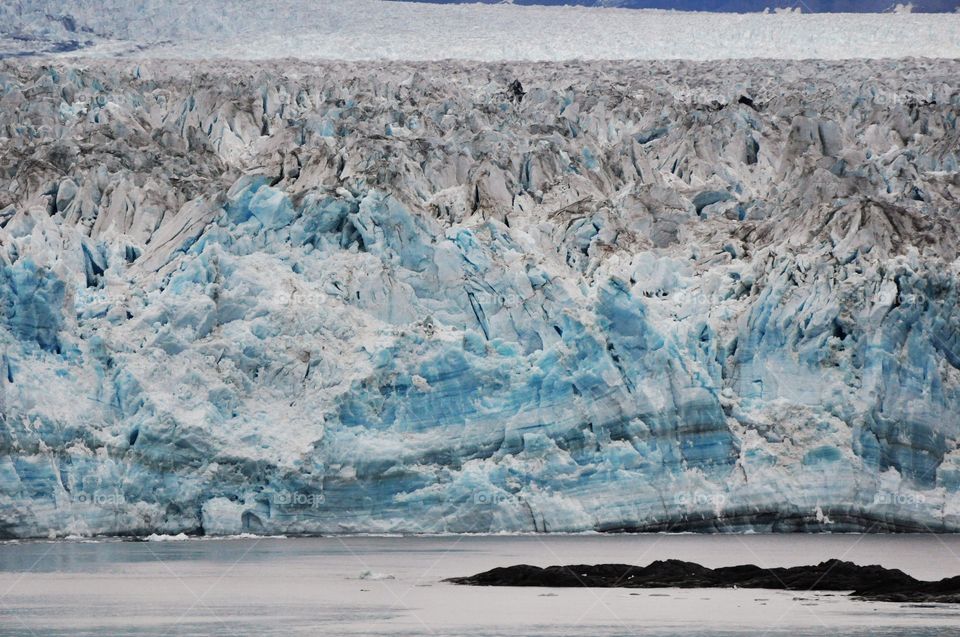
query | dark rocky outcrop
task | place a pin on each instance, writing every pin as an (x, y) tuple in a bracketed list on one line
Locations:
[(866, 582)]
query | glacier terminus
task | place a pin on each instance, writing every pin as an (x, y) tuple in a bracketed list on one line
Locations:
[(290, 297)]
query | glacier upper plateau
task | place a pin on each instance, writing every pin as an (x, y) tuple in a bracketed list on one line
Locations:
[(379, 30)]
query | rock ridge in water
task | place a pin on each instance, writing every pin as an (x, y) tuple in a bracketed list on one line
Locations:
[(873, 582), (294, 298)]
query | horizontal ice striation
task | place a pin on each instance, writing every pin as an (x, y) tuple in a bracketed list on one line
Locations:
[(398, 297)]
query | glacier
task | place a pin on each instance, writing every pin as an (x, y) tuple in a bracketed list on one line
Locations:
[(360, 297)]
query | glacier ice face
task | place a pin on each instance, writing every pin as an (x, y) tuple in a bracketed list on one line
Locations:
[(305, 298)]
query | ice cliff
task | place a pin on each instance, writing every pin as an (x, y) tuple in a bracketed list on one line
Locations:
[(296, 298)]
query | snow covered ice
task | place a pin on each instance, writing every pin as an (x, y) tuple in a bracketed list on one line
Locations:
[(377, 30), (392, 297)]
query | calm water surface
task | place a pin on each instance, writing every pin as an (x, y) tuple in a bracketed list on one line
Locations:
[(318, 586)]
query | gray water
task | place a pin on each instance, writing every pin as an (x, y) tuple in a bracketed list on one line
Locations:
[(317, 586)]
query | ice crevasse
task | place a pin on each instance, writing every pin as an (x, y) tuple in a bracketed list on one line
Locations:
[(310, 298)]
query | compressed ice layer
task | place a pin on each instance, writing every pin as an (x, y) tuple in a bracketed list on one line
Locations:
[(647, 296)]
